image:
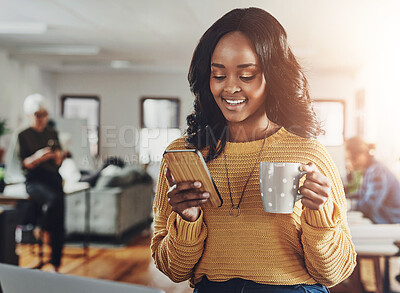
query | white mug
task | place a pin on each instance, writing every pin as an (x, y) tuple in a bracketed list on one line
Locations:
[(279, 184)]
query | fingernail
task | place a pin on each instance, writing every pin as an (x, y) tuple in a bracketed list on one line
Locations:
[(206, 194), (197, 184)]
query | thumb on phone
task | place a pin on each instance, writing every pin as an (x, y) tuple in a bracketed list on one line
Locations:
[(170, 178)]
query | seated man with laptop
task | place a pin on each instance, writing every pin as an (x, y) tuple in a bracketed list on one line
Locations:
[(378, 197)]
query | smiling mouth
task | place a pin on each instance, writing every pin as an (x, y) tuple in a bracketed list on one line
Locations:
[(234, 102)]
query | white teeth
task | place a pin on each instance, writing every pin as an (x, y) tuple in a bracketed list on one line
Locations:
[(234, 102)]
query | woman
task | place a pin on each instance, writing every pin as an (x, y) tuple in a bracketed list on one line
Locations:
[(41, 157), (378, 197), (252, 104)]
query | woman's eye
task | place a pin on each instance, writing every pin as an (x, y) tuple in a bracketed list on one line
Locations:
[(218, 77), (247, 77)]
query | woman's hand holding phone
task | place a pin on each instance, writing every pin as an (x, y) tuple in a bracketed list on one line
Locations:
[(185, 198)]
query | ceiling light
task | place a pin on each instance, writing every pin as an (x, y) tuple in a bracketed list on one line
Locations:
[(61, 50), (22, 28), (121, 64)]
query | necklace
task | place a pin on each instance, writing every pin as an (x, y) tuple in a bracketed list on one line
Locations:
[(235, 209)]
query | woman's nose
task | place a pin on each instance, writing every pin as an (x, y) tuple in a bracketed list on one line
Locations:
[(231, 86)]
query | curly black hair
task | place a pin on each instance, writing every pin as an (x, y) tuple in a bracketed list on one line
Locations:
[(288, 101)]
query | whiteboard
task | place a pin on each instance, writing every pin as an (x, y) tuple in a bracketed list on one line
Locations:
[(73, 136)]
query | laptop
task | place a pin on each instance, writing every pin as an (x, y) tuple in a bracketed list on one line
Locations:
[(15, 279)]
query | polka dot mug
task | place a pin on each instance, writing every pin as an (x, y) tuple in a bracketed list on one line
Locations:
[(279, 184)]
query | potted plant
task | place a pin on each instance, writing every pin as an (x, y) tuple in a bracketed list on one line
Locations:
[(3, 130), (2, 183)]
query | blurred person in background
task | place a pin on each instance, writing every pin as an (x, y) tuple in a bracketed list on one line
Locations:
[(378, 196), (41, 157)]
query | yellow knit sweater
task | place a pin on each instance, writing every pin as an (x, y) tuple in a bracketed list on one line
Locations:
[(305, 247)]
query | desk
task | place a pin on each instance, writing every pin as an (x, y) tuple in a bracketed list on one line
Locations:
[(375, 241), (8, 223), (16, 192), (10, 200)]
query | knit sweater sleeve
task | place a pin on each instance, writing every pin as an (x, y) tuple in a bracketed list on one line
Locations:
[(329, 253), (177, 245)]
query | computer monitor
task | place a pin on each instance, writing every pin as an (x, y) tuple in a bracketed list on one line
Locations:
[(15, 279)]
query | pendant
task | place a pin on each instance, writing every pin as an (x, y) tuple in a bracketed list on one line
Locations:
[(234, 211)]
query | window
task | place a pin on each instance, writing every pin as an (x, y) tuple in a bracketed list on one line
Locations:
[(159, 121), (88, 108), (332, 115), (159, 112)]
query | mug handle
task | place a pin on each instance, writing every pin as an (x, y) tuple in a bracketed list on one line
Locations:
[(302, 173)]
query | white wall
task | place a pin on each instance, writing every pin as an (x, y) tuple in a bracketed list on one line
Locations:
[(336, 85), (16, 82), (381, 81), (120, 95)]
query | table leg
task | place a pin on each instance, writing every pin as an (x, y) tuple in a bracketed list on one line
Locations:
[(377, 274), (386, 277), (382, 280), (87, 223), (355, 279)]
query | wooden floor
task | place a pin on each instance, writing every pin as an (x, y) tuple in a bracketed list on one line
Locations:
[(131, 263)]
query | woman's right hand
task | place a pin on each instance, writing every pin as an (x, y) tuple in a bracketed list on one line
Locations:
[(44, 154), (38, 157), (185, 198)]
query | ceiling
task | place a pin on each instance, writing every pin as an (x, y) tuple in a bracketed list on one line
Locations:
[(160, 35)]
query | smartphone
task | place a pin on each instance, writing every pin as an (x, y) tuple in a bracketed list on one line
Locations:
[(189, 165)]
